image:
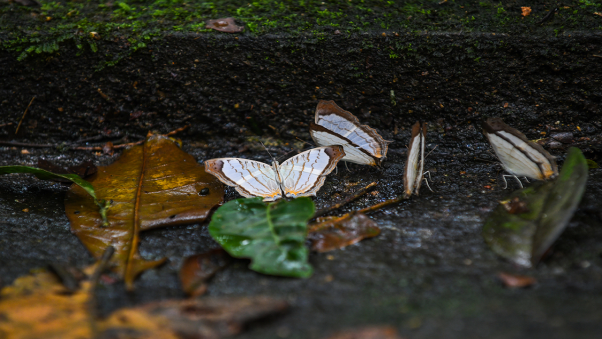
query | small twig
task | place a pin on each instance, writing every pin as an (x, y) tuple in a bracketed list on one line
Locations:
[(83, 148), (7, 124), (20, 121), (347, 200), (178, 130), (384, 204), (324, 224), (102, 264), (22, 144), (99, 148)]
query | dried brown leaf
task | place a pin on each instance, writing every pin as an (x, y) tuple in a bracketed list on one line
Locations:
[(38, 306), (372, 332), (516, 281), (152, 185), (337, 233), (224, 25), (199, 268)]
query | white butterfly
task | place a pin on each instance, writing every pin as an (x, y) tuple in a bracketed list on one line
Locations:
[(415, 164), (335, 126), (301, 175), (519, 156)]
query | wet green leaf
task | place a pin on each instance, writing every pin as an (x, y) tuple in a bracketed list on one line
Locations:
[(561, 203), (271, 235), (592, 164), (523, 235), (46, 175)]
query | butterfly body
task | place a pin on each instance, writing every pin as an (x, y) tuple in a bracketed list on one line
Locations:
[(301, 175), (335, 126)]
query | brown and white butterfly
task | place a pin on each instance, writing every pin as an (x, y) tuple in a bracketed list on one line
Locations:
[(519, 156), (335, 126), (413, 175), (301, 175)]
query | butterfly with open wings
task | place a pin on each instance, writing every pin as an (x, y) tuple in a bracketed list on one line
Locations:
[(301, 175)]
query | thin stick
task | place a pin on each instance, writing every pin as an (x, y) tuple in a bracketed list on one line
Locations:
[(347, 200), (20, 121), (22, 144), (84, 148), (7, 124), (321, 225), (384, 204), (178, 130), (102, 265)]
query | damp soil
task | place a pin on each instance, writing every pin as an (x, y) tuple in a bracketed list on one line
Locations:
[(429, 273)]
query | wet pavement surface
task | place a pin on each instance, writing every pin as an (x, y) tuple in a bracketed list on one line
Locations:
[(429, 273)]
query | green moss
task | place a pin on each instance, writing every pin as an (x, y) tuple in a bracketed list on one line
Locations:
[(30, 31)]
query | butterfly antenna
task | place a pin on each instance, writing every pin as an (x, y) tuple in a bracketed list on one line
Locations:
[(267, 150), (305, 142), (429, 153)]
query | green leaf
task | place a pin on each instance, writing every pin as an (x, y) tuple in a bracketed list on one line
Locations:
[(525, 235), (592, 164), (271, 235), (46, 175), (561, 203)]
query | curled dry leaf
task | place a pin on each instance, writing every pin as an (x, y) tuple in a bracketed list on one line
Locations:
[(199, 268), (516, 281), (337, 233), (152, 185), (224, 25), (38, 306), (371, 332), (526, 11)]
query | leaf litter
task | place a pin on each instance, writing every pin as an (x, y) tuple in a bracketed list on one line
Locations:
[(198, 269), (39, 306), (152, 185), (524, 226)]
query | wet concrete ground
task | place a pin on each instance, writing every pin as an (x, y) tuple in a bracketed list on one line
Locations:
[(429, 273)]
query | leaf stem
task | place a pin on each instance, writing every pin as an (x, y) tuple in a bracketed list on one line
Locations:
[(271, 225), (347, 200)]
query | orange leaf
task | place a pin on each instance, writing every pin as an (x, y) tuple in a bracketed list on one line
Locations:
[(199, 268), (152, 185)]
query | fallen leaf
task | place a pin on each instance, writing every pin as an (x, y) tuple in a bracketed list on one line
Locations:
[(202, 318), (152, 185), (224, 25), (341, 232), (524, 236), (371, 332), (592, 164), (516, 281), (526, 11), (515, 206), (38, 306), (272, 235), (199, 268)]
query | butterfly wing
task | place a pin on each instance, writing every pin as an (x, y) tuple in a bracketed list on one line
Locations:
[(251, 178), (412, 169), (346, 127), (304, 174), (519, 155), (325, 137)]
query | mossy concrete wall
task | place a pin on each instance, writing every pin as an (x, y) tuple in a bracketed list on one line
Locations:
[(232, 85)]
